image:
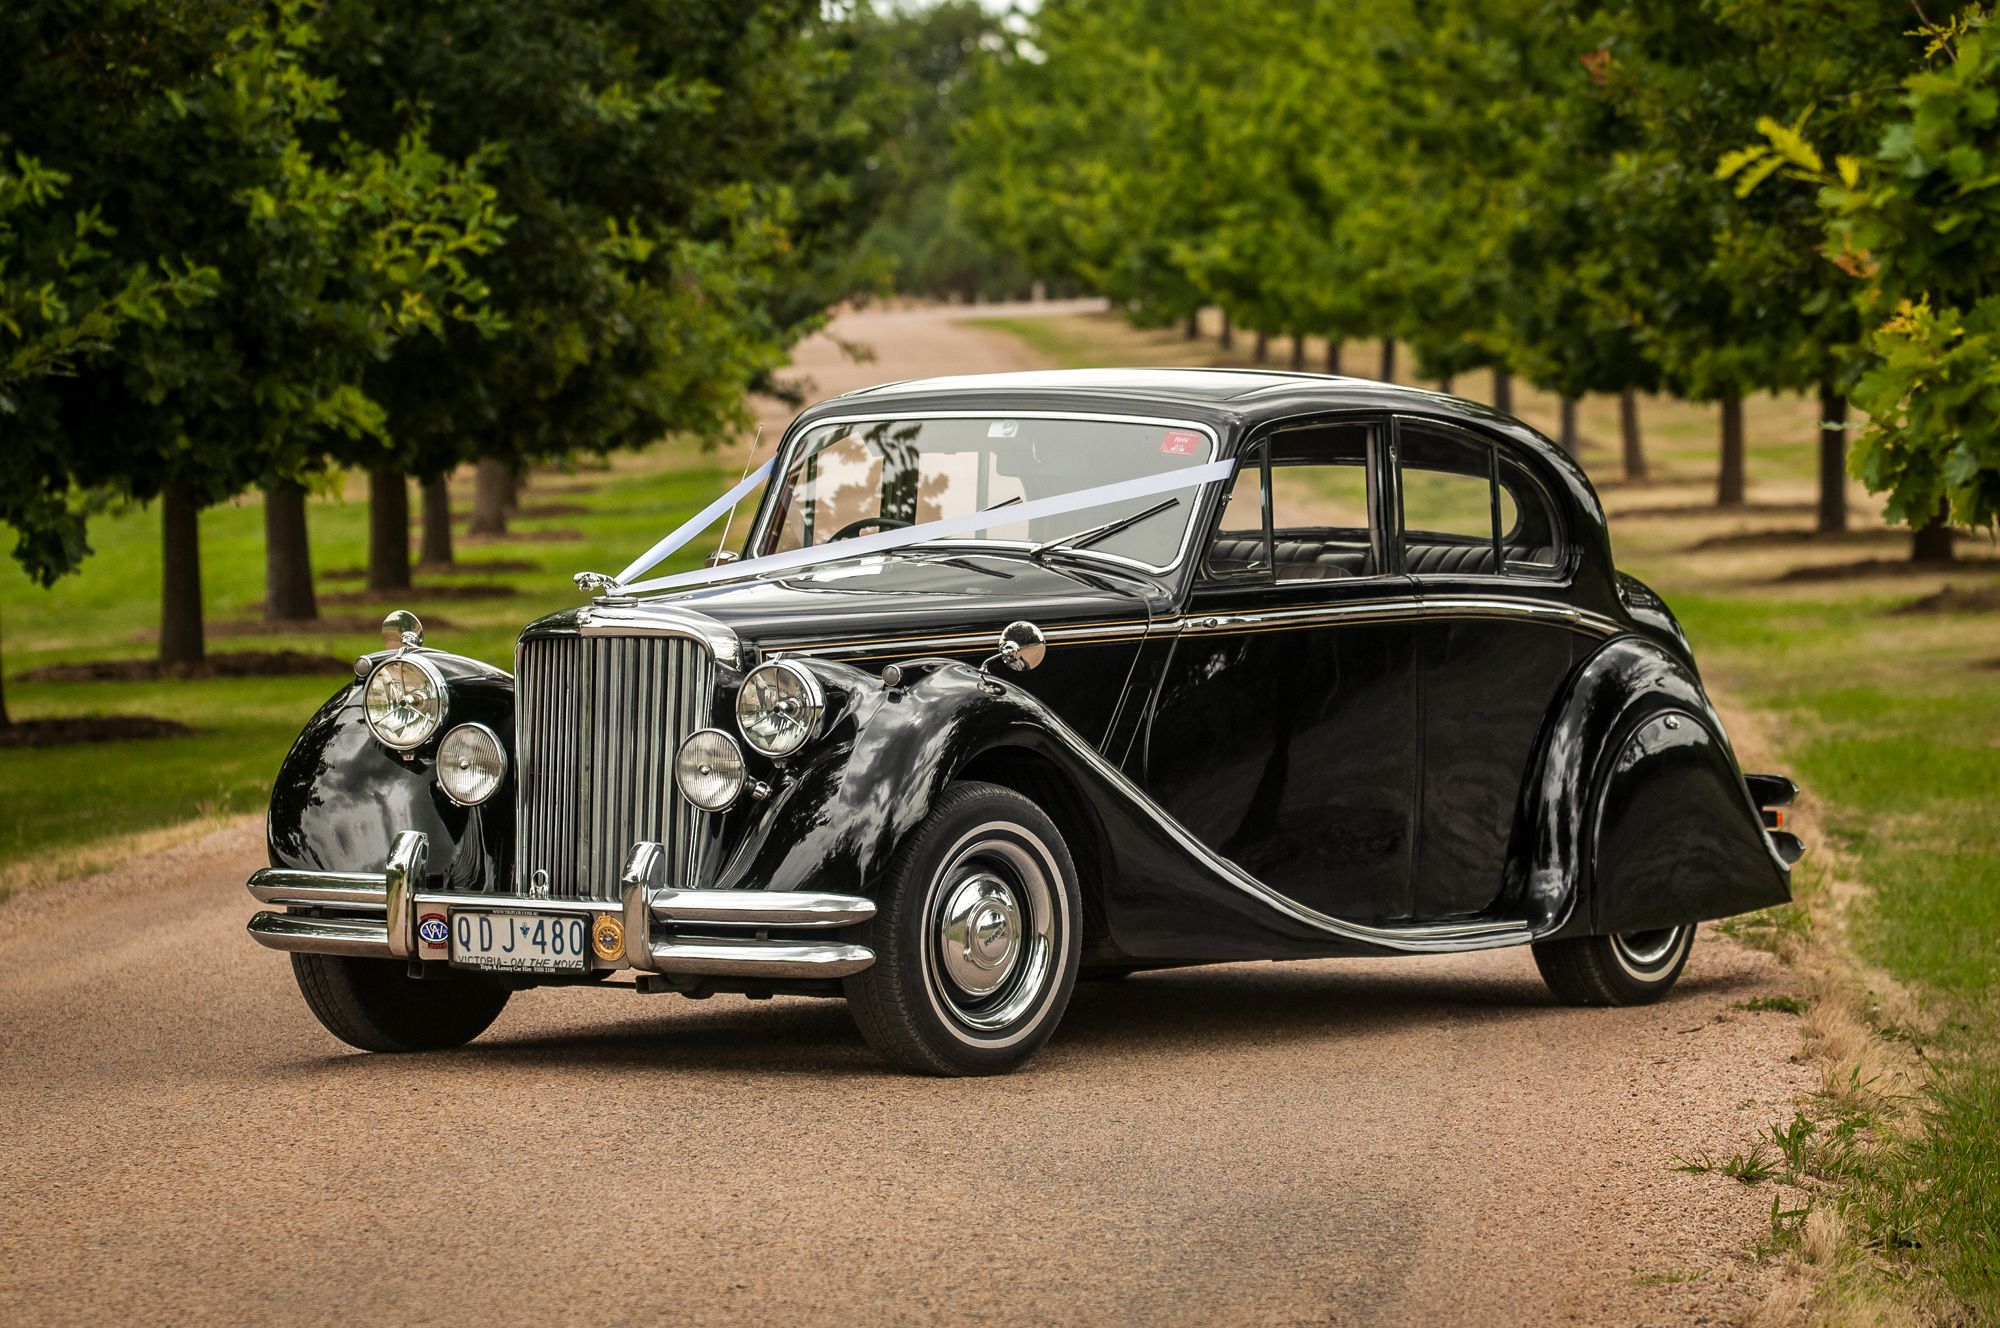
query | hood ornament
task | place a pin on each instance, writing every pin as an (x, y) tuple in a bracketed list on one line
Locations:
[(592, 583)]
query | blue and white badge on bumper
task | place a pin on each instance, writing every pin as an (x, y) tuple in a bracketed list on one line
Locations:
[(520, 942)]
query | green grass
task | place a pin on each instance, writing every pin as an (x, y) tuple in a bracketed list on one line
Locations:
[(65, 797)]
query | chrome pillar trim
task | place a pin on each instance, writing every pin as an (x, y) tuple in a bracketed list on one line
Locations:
[(760, 908), (645, 873), (408, 857), (287, 888), (359, 937), (707, 956)]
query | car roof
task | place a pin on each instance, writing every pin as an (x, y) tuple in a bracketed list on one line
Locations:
[(1219, 396)]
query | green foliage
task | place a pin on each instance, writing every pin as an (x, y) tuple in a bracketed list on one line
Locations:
[(1910, 225), (292, 256)]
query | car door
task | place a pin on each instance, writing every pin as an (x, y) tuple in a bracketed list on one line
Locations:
[(1282, 729), (1480, 539)]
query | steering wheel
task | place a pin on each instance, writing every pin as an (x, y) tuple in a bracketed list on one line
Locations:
[(853, 528)]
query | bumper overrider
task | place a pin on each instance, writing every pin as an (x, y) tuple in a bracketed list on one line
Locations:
[(674, 933)]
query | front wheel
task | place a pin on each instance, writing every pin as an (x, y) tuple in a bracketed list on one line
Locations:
[(1630, 968), (976, 938), (374, 1004)]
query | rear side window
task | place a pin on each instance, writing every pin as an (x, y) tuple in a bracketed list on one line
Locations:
[(1469, 511)]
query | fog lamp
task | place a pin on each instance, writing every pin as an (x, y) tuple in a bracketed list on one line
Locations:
[(471, 764), (709, 770)]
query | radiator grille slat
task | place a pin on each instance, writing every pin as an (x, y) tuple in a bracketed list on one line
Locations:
[(599, 719)]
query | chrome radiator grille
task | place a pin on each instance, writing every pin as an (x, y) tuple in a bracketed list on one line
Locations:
[(597, 722)]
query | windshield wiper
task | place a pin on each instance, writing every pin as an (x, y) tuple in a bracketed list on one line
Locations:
[(1083, 539)]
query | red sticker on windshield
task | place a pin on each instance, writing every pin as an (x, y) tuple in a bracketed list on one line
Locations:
[(1179, 442)]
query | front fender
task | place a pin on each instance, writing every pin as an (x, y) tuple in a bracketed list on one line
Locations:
[(1636, 814), (342, 797)]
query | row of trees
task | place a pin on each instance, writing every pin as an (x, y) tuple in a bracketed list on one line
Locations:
[(255, 243), (1604, 196)]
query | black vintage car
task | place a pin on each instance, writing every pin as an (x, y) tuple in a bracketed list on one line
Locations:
[(1030, 677)]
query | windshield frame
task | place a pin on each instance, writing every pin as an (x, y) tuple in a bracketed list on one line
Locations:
[(788, 450)]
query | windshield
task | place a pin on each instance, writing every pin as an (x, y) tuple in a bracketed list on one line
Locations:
[(863, 476)]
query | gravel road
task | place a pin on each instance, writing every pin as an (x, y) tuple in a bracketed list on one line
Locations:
[(1422, 1141)]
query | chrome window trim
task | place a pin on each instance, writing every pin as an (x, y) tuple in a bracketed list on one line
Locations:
[(789, 445)]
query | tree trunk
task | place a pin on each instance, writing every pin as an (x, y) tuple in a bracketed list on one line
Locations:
[(1628, 434), (1388, 374), (1729, 482), (1566, 429), (489, 498), (1193, 327), (1444, 384), (1503, 391), (1932, 541), (1263, 350), (1333, 354), (517, 484), (436, 551), (388, 530), (1298, 353), (1227, 337), (1833, 460), (288, 573), (180, 580)]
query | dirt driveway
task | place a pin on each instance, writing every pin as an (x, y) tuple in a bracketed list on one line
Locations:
[(1423, 1141)]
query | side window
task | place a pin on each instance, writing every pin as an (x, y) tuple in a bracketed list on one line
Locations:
[(1530, 538), (1320, 499), (1468, 511)]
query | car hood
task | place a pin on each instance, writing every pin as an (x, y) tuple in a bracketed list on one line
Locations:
[(918, 595)]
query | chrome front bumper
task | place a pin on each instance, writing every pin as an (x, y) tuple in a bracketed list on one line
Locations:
[(674, 933)]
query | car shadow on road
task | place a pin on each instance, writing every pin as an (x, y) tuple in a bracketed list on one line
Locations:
[(1211, 1008)]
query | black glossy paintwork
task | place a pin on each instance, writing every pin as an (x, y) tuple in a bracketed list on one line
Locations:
[(1294, 753), (341, 797), (1387, 772)]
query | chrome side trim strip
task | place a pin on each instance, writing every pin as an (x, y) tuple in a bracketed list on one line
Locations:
[(717, 957), (761, 908), (334, 936), (1434, 938), (1411, 609)]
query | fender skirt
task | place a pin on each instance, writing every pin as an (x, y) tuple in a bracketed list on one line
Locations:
[(1635, 814)]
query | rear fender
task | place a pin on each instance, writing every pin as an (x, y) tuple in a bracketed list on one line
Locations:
[(1636, 814)]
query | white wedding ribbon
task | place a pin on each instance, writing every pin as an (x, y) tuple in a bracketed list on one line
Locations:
[(695, 524), (1078, 500)]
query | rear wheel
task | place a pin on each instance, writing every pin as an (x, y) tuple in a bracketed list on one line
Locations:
[(374, 1004), (976, 938), (1630, 968)]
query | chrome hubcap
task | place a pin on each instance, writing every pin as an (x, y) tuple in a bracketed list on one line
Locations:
[(990, 931), (1643, 950), (979, 940)]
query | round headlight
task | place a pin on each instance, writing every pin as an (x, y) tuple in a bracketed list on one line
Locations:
[(779, 707), (404, 698), (471, 764), (709, 769)]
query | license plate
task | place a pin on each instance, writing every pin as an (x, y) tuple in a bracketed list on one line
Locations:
[(520, 942)]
